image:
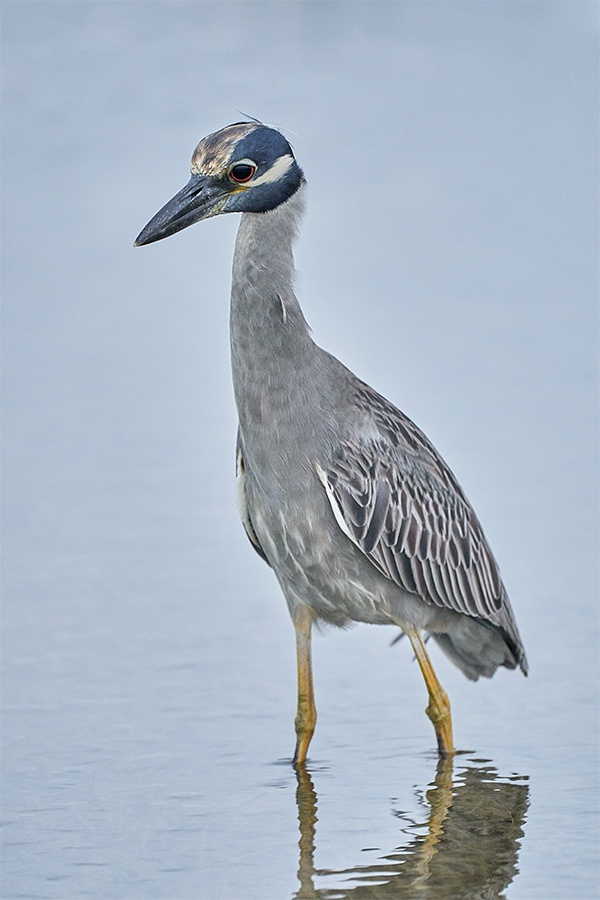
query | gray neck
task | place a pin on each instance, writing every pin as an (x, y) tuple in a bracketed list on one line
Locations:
[(270, 340)]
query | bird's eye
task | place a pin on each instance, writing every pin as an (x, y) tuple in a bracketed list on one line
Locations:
[(242, 171)]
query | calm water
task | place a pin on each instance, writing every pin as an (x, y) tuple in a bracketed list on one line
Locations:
[(449, 257)]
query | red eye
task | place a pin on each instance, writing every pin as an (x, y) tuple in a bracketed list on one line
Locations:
[(242, 172)]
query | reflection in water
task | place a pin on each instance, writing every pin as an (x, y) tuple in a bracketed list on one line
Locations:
[(466, 847)]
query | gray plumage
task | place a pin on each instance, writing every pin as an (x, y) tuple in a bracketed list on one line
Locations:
[(344, 497)]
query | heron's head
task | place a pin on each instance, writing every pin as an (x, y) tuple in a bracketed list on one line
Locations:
[(246, 167)]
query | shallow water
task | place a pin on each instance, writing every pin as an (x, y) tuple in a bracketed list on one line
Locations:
[(148, 660)]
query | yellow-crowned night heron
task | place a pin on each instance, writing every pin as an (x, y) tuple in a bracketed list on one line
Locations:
[(344, 497)]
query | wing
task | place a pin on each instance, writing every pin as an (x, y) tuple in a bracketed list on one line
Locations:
[(394, 496), (243, 503)]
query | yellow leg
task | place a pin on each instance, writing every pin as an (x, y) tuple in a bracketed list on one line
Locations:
[(306, 718), (438, 708)]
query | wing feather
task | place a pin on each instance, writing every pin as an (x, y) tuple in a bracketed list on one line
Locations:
[(243, 503), (398, 501)]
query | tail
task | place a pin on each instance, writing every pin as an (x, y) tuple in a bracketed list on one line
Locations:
[(479, 647)]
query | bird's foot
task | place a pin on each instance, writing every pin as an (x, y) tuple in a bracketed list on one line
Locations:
[(438, 711)]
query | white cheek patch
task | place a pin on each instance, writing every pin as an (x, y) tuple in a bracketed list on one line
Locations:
[(277, 171)]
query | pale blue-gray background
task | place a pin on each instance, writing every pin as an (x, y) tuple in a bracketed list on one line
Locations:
[(449, 257)]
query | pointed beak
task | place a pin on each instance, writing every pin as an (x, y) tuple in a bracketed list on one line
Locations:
[(201, 198)]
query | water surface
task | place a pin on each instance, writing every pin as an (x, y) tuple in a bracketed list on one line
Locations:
[(449, 257)]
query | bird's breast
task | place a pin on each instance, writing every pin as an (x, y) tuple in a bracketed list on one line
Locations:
[(315, 563)]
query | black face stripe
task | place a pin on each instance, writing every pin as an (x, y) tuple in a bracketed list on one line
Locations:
[(263, 144)]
